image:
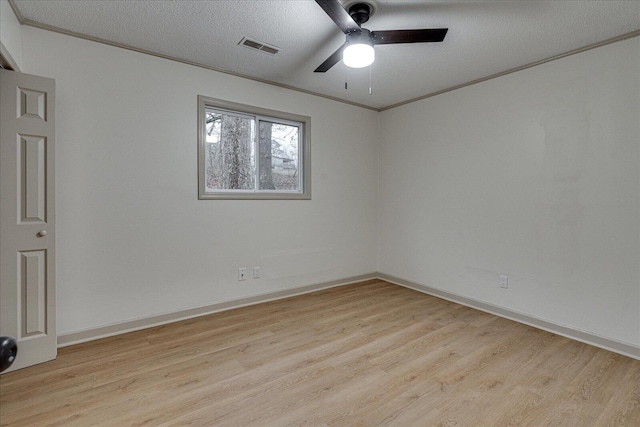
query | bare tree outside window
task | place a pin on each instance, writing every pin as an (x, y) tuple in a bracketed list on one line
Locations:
[(266, 159), (278, 156), (230, 162)]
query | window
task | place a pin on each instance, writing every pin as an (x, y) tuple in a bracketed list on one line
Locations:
[(247, 152)]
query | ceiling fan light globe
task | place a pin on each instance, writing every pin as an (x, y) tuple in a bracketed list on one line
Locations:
[(358, 55)]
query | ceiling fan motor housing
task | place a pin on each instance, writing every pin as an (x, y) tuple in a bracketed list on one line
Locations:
[(360, 12), (363, 37)]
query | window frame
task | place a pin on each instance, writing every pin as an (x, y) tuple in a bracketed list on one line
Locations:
[(265, 114)]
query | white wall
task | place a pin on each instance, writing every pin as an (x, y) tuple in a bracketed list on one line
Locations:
[(534, 175), (134, 241), (10, 35)]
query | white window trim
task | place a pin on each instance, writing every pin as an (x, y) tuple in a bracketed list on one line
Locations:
[(262, 113)]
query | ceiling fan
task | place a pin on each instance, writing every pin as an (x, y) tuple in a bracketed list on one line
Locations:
[(357, 51)]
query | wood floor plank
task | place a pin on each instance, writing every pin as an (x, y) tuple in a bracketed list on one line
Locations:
[(365, 354), (625, 402)]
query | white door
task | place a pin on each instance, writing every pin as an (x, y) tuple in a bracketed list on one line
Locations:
[(27, 217)]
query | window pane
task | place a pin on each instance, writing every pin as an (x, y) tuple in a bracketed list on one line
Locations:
[(247, 152), (279, 148), (229, 151)]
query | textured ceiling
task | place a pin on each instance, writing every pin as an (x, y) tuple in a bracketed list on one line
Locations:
[(484, 38)]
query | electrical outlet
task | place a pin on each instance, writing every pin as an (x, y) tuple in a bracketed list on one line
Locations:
[(256, 272), (242, 273), (504, 282)]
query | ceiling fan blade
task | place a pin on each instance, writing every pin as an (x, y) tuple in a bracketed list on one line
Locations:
[(409, 36), (331, 61), (341, 17)]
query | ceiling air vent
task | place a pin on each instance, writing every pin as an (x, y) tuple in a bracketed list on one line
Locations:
[(262, 47)]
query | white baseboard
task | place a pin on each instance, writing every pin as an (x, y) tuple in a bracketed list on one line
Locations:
[(91, 334), (626, 349)]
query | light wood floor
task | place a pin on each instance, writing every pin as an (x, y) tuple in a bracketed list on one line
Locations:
[(360, 355)]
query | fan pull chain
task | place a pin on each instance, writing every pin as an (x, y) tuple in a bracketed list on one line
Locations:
[(370, 66), (346, 75)]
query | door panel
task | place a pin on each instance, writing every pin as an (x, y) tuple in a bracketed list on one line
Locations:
[(27, 219), (32, 162), (32, 278)]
